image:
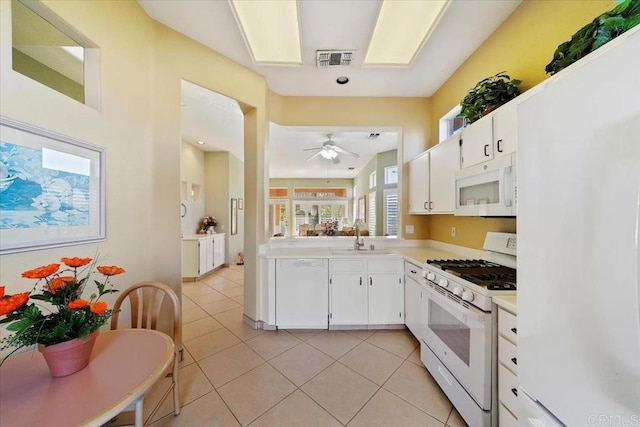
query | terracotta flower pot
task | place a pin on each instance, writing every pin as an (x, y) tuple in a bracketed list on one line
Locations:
[(68, 357)]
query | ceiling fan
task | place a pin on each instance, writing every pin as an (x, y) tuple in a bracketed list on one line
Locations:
[(330, 151)]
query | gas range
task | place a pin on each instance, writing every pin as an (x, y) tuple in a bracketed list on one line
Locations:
[(475, 281)]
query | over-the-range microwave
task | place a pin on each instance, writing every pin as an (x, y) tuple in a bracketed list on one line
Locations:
[(487, 189)]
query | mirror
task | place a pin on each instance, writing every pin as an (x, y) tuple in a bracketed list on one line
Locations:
[(47, 50)]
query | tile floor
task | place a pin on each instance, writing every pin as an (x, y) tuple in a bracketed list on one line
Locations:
[(233, 375)]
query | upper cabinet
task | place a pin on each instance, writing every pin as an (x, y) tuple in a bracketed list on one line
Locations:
[(492, 136), (432, 178)]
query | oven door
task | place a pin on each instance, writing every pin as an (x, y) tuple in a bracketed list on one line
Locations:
[(461, 338)]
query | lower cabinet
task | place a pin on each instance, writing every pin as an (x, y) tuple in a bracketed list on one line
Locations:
[(507, 368), (366, 291), (413, 298), (202, 254)]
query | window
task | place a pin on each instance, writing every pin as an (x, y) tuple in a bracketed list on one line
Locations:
[(391, 175), (372, 213), (355, 203), (49, 51), (391, 212), (450, 123), (372, 180), (316, 212), (278, 217)]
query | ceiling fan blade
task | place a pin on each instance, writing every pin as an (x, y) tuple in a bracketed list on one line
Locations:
[(347, 152), (315, 148), (314, 156), (336, 160)]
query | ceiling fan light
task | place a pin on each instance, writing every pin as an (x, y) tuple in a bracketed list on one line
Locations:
[(329, 153)]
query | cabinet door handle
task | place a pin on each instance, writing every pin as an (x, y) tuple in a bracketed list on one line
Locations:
[(514, 391), (426, 208), (370, 281), (514, 360), (486, 150), (414, 272), (514, 330), (430, 206), (361, 281), (499, 146)]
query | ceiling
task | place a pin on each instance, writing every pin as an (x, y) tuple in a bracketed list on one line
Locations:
[(345, 24), (325, 25)]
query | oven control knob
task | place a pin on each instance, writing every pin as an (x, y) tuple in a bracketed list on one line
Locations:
[(457, 291), (443, 282), (467, 296), (431, 276)]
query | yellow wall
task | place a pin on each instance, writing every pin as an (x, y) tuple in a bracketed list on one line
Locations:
[(410, 114), (138, 123), (522, 46)]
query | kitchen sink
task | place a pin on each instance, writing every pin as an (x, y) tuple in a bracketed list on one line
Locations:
[(362, 252)]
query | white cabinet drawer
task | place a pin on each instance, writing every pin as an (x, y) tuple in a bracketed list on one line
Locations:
[(413, 271), (507, 326), (507, 388), (388, 265), (508, 354), (347, 265), (506, 418)]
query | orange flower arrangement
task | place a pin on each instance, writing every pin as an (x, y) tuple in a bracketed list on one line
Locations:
[(75, 317)]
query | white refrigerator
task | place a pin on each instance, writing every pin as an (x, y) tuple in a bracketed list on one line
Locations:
[(578, 235)]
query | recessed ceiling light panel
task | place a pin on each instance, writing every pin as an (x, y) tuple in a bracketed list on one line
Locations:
[(403, 27), (271, 29)]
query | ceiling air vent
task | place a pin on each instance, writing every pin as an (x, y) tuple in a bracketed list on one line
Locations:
[(334, 58)]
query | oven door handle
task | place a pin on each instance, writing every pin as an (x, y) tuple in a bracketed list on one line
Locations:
[(471, 312)]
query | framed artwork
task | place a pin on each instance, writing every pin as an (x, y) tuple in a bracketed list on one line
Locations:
[(241, 204), (52, 189), (234, 216)]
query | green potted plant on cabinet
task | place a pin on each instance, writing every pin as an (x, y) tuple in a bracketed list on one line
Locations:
[(598, 32), (487, 95)]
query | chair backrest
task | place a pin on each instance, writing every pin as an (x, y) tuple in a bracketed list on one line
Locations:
[(145, 301)]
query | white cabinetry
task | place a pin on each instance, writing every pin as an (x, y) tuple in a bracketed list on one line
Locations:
[(492, 136), (413, 298), (432, 178), (202, 253), (507, 368), (366, 291)]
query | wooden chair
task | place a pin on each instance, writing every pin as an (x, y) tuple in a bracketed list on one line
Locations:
[(145, 301)]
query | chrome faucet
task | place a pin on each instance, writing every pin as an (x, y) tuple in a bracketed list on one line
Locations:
[(358, 243)]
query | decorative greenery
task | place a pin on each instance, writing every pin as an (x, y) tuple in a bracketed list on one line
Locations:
[(487, 95), (601, 30), (71, 317)]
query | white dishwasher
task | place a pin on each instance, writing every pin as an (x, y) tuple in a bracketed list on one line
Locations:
[(302, 293)]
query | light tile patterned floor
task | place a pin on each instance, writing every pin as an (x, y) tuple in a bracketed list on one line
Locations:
[(233, 375)]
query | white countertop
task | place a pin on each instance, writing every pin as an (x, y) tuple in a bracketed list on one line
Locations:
[(417, 255), (508, 302), (200, 236)]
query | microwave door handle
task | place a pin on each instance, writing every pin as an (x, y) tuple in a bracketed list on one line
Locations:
[(472, 313), (503, 188)]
